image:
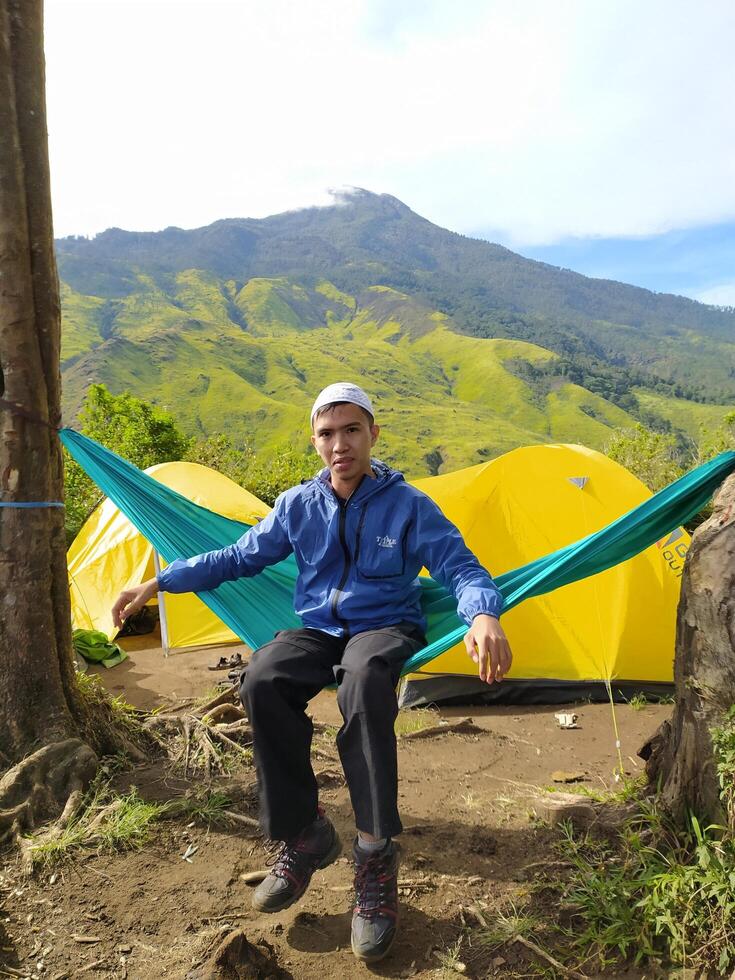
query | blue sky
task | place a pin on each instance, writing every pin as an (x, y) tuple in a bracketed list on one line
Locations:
[(593, 133)]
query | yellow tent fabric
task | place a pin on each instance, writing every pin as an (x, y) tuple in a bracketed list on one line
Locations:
[(109, 554), (616, 625), (619, 624)]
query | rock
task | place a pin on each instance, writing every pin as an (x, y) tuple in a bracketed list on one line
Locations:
[(554, 808), (583, 812), (562, 776), (237, 959), (329, 777)]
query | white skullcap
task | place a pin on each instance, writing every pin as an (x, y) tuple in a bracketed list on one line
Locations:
[(342, 391)]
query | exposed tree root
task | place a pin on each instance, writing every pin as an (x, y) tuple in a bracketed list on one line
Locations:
[(52, 779), (228, 696), (224, 714), (195, 732)]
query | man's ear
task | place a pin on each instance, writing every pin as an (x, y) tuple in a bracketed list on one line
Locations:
[(313, 440), (374, 433)]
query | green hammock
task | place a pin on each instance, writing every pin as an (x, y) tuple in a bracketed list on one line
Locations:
[(254, 608)]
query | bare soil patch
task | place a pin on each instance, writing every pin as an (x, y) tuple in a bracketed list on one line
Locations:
[(471, 839)]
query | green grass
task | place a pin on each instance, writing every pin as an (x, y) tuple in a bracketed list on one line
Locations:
[(205, 806), (123, 714), (690, 417), (329, 732), (638, 702), (79, 323), (653, 895), (450, 959), (106, 822), (226, 361), (415, 720), (627, 789)]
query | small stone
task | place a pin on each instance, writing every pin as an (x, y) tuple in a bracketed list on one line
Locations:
[(562, 776)]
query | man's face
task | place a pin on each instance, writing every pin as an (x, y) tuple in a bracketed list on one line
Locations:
[(343, 437)]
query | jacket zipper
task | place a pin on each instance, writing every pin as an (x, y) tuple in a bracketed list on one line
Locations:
[(348, 562), (358, 536)]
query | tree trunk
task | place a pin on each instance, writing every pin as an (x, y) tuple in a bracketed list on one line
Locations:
[(680, 757), (45, 726)]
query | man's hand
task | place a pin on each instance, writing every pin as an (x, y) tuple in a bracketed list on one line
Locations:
[(488, 646), (132, 600)]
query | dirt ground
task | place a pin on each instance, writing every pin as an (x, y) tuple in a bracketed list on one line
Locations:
[(471, 835)]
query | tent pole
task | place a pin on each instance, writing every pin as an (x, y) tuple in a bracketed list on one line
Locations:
[(161, 607)]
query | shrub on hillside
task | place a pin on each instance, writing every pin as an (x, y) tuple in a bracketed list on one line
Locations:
[(265, 473)]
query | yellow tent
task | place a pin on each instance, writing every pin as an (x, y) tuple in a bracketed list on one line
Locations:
[(109, 555), (618, 625)]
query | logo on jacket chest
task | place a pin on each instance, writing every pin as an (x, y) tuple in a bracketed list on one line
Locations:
[(386, 542)]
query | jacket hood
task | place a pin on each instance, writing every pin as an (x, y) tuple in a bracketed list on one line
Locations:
[(385, 476)]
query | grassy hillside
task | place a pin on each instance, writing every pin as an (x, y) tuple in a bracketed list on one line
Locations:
[(469, 349), (249, 361), (689, 418), (607, 330)]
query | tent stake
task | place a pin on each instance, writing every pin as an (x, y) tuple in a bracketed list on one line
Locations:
[(161, 607)]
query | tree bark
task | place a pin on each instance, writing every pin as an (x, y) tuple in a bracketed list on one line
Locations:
[(680, 756), (45, 726)]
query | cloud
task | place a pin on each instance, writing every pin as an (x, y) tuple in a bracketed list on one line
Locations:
[(722, 295), (541, 119)]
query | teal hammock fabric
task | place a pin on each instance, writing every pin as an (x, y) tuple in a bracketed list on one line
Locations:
[(254, 608)]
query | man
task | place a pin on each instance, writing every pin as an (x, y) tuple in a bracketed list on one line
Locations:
[(360, 535)]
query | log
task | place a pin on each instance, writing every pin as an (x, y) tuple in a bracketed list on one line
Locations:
[(680, 757)]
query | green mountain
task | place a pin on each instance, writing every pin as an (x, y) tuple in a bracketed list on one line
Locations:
[(469, 349)]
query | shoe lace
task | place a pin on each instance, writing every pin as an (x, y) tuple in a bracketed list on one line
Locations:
[(375, 887), (287, 858)]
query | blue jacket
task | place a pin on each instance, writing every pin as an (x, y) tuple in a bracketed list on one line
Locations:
[(358, 560)]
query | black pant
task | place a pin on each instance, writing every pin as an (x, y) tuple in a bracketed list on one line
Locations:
[(283, 676)]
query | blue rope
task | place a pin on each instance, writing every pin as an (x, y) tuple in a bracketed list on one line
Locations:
[(41, 503)]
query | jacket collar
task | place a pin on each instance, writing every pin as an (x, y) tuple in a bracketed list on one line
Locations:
[(384, 477)]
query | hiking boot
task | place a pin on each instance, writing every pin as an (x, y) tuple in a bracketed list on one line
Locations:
[(375, 919), (294, 862)]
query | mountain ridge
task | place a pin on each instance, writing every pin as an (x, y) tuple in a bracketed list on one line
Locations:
[(235, 325), (243, 233)]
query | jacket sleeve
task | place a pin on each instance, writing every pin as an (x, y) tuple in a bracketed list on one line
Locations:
[(442, 549), (266, 543)]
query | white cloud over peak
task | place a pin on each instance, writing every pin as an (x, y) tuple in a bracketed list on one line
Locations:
[(544, 119)]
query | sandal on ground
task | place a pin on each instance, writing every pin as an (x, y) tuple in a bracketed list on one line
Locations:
[(222, 664)]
